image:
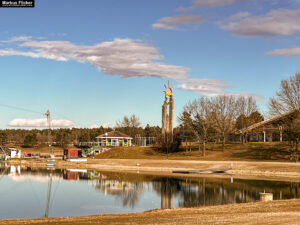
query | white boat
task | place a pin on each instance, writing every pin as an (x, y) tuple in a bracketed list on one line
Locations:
[(77, 170), (77, 160)]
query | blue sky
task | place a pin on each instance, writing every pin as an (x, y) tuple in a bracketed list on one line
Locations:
[(94, 61)]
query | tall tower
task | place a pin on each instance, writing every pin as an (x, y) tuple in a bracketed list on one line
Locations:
[(49, 133), (167, 117)]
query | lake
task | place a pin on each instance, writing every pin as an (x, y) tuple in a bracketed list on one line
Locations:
[(30, 192)]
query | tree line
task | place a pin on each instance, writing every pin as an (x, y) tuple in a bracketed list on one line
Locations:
[(223, 118), (63, 137), (216, 118)]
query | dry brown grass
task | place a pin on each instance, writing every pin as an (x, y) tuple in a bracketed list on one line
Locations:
[(276, 212), (242, 152), (43, 150)]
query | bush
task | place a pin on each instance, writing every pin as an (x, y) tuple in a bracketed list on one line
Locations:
[(168, 144), (30, 140)]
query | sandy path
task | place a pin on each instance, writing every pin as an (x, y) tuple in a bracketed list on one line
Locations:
[(261, 170)]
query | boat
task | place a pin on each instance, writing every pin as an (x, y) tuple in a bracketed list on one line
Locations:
[(50, 163), (77, 160)]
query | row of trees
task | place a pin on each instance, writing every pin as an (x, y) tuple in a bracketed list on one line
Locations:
[(214, 119), (218, 118), (63, 137)]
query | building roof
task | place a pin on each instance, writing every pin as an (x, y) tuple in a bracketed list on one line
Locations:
[(271, 120), (114, 134)]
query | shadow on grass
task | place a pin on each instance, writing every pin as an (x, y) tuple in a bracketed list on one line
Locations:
[(263, 152)]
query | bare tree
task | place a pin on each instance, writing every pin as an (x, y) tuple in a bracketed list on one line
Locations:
[(218, 114), (288, 100), (224, 114), (202, 113), (197, 116), (132, 121), (129, 125), (288, 97), (245, 107)]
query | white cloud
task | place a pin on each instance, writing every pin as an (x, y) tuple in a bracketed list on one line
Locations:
[(207, 3), (276, 22), (175, 21), (288, 52), (124, 57), (20, 122), (94, 126), (210, 88), (207, 87), (18, 39), (11, 52)]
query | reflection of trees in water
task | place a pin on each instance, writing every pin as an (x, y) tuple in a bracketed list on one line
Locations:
[(193, 193), (199, 193), (131, 197), (128, 193), (294, 190), (167, 188), (207, 193), (191, 196)]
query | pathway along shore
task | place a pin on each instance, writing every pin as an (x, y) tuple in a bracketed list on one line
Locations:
[(275, 212), (239, 169)]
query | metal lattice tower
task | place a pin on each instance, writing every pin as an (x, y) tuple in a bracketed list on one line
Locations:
[(49, 133)]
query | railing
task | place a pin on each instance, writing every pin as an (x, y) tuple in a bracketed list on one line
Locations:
[(144, 141), (103, 143)]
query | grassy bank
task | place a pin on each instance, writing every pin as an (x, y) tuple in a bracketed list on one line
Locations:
[(43, 150), (241, 152)]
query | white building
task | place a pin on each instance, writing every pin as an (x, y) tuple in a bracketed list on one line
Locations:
[(114, 139)]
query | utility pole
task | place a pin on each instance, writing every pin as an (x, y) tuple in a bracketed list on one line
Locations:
[(49, 133)]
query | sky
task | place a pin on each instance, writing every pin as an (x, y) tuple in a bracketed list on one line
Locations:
[(92, 62)]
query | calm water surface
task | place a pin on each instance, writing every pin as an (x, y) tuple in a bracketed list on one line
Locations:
[(29, 192)]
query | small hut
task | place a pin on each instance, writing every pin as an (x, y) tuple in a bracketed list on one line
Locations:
[(10, 153), (114, 139)]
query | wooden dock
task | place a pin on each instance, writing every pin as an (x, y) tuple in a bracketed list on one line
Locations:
[(206, 170)]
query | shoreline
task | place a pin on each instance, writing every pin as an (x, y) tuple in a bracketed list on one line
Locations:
[(282, 171), (274, 212)]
